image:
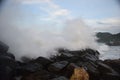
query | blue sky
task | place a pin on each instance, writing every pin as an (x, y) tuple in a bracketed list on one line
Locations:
[(93, 9), (56, 12)]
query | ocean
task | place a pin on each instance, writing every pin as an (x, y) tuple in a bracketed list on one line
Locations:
[(110, 52)]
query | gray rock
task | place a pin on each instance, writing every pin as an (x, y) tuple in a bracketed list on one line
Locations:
[(60, 78), (3, 47), (68, 71), (56, 67), (43, 61), (107, 73), (7, 67)]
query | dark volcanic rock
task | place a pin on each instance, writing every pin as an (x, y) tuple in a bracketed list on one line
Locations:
[(107, 73), (3, 47), (68, 71), (25, 59), (6, 73), (43, 61), (9, 55), (30, 67), (7, 67), (115, 64), (39, 75), (60, 78), (7, 63), (57, 66), (78, 55)]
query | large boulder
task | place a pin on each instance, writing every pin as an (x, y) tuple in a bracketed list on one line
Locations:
[(39, 75), (80, 74), (9, 55), (68, 71), (30, 67), (115, 64), (60, 78), (78, 55), (57, 66), (7, 63), (43, 61), (7, 67), (3, 47), (106, 72), (6, 73)]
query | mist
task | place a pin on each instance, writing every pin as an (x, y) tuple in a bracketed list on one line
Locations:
[(33, 42)]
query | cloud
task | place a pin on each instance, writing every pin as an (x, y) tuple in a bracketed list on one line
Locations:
[(111, 21), (105, 25), (55, 12), (61, 12)]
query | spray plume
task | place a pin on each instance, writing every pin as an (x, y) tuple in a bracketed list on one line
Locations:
[(32, 42)]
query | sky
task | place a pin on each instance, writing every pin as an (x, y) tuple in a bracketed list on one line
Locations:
[(101, 15)]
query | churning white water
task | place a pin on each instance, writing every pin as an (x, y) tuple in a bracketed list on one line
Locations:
[(112, 53)]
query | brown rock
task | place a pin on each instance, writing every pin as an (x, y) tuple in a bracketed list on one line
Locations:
[(80, 74)]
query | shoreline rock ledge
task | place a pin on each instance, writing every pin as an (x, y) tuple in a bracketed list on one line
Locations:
[(67, 65)]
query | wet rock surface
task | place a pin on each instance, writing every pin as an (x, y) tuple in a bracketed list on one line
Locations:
[(7, 63), (3, 47), (60, 78), (115, 64), (58, 67)]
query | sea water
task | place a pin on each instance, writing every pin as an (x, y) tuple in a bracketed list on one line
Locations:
[(110, 52)]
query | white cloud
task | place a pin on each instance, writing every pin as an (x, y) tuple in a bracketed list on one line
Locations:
[(111, 21), (108, 24), (53, 11), (61, 12)]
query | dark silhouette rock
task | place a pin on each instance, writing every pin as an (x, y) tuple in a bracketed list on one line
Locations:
[(60, 78), (115, 64), (7, 67), (78, 55), (31, 67), (107, 73), (6, 73), (25, 59), (43, 61), (3, 47), (39, 75), (57, 66), (68, 71), (9, 55), (109, 39)]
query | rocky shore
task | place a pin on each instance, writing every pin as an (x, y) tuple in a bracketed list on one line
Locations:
[(67, 65)]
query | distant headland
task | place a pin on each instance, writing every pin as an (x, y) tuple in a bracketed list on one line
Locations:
[(108, 38)]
